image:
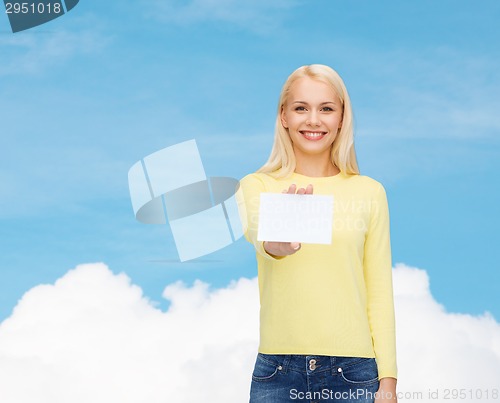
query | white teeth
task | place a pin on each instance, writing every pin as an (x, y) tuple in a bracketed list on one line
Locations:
[(313, 134)]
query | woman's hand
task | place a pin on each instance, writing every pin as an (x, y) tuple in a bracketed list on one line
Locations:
[(387, 391), (280, 249)]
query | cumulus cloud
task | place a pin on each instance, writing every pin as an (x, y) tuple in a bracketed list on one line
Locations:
[(439, 350), (94, 337)]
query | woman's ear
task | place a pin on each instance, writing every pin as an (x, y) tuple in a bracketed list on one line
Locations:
[(282, 117)]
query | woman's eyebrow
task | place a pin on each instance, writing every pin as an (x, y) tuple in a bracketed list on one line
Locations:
[(322, 103)]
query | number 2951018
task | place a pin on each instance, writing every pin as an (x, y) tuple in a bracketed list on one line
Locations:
[(32, 8)]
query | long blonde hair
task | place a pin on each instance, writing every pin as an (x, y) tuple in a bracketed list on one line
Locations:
[(281, 162)]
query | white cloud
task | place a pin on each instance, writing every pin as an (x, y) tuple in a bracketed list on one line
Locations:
[(30, 52), (257, 15), (439, 350), (433, 93), (94, 337)]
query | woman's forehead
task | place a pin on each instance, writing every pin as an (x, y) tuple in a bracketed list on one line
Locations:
[(308, 90)]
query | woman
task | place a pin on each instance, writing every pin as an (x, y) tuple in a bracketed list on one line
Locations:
[(327, 315)]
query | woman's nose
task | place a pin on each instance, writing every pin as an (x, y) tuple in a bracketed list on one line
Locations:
[(313, 119)]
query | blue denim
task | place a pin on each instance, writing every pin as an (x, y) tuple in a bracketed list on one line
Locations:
[(313, 378)]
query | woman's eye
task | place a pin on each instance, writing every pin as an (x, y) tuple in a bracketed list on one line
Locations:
[(328, 109), (300, 108)]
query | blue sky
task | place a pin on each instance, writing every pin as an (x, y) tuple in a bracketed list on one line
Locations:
[(85, 96)]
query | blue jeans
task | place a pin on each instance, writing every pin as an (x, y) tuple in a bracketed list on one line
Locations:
[(313, 378)]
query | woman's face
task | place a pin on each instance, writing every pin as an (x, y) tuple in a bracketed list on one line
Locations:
[(313, 116)]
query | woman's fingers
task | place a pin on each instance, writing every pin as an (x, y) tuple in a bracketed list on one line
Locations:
[(301, 191)]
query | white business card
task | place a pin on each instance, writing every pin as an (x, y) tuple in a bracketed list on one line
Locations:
[(295, 218)]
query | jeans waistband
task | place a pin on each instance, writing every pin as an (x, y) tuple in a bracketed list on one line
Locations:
[(312, 363)]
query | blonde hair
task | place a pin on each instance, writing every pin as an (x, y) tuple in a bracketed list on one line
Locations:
[(281, 162)]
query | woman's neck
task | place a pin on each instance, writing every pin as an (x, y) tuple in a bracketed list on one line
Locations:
[(316, 167)]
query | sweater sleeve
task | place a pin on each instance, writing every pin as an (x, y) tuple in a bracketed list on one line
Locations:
[(377, 266), (248, 199)]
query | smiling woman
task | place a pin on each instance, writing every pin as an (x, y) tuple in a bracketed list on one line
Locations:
[(327, 311), (314, 104)]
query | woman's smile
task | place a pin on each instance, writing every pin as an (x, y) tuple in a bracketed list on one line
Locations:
[(312, 136)]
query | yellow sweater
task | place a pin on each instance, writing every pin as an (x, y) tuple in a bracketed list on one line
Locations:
[(332, 299)]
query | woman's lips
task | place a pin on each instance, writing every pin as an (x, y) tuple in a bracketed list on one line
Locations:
[(313, 136)]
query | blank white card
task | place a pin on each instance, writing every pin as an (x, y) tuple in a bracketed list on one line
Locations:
[(295, 218)]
